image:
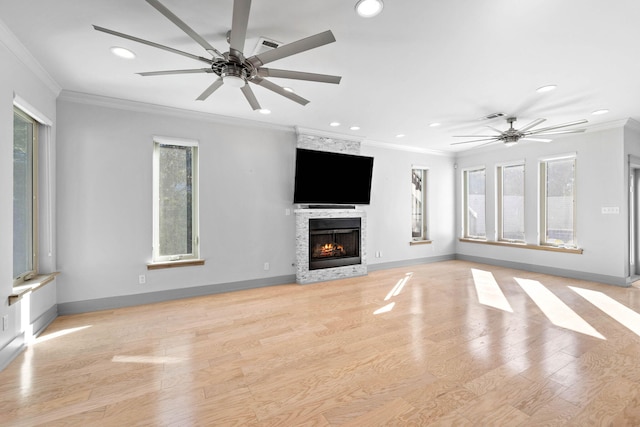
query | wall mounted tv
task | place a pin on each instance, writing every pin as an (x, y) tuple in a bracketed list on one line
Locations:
[(326, 178)]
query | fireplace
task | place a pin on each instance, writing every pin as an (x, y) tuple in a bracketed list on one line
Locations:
[(334, 242)]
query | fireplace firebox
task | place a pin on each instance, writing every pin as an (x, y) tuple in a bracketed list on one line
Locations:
[(334, 242)]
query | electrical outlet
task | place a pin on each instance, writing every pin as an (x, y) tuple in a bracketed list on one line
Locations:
[(266, 266), (142, 279), (5, 322)]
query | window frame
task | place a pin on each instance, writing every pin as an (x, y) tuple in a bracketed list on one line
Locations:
[(424, 211), (500, 200), (465, 202), (193, 145), (33, 161), (543, 166)]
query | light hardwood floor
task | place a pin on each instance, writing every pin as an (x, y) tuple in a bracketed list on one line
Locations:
[(418, 345)]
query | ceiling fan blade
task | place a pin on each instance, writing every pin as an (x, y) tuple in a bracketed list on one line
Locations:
[(534, 123), (208, 91), (476, 136), (279, 90), (494, 129), (493, 139), (184, 27), (526, 138), (170, 72), (248, 93), (298, 75), (560, 132), (292, 48), (239, 24), (152, 44), (564, 125)]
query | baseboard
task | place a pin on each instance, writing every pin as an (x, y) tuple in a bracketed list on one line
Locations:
[(409, 262), (110, 303), (534, 268), (44, 320), (11, 350)]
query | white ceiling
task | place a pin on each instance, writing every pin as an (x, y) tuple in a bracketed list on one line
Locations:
[(417, 63)]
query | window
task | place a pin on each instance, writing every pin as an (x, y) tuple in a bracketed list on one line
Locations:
[(25, 191), (175, 197), (419, 204), (511, 203), (474, 203), (558, 202)]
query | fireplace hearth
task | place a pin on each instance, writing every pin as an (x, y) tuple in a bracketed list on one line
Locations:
[(334, 242)]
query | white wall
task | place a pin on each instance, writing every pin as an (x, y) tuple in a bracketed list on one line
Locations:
[(600, 182), (17, 77)]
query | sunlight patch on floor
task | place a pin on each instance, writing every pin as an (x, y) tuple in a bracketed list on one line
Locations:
[(556, 311), (387, 308), (395, 291), (155, 360), (619, 312), (53, 335), (489, 293)]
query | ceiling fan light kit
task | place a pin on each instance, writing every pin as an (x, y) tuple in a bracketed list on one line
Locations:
[(232, 68)]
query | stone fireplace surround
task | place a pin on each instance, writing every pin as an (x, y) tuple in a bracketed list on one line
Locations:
[(303, 274)]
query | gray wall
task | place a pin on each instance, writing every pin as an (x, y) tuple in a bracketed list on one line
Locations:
[(246, 187), (600, 182), (19, 75)]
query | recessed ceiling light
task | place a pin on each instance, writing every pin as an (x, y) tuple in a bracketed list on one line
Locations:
[(264, 111), (547, 88), (355, 128), (122, 52), (599, 112), (369, 8), (334, 124), (434, 125), (400, 135)]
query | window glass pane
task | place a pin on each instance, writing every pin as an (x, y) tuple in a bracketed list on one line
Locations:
[(175, 200), (418, 203), (476, 203), (560, 202), (23, 132), (513, 202)]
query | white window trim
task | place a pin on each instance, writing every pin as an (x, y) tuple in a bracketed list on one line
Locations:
[(195, 255), (425, 208), (542, 217), (464, 172), (499, 199)]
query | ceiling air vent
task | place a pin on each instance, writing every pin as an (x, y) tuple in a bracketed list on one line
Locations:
[(264, 44), (491, 116)]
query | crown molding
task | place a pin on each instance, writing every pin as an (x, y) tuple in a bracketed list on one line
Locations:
[(15, 46), (143, 107)]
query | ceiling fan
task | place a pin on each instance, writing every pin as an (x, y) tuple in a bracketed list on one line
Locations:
[(232, 68), (512, 136)]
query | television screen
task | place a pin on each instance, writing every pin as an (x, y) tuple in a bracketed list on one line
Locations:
[(323, 177)]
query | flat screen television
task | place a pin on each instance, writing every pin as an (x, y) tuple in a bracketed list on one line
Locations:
[(326, 178)]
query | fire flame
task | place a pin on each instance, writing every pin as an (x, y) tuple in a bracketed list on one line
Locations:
[(329, 250)]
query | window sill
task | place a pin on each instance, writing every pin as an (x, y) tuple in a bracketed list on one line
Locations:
[(173, 264), (420, 242), (524, 246), (30, 285)]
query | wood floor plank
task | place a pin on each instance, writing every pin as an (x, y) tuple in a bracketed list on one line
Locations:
[(326, 355)]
